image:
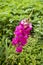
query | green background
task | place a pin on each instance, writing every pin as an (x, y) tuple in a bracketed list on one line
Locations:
[(11, 13)]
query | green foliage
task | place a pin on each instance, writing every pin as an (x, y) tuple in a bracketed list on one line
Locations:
[(11, 12)]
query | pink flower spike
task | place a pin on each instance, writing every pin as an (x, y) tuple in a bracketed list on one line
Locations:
[(22, 33)]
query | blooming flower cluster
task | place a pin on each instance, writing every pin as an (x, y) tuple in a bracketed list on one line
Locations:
[(22, 32)]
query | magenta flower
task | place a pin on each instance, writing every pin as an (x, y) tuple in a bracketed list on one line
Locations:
[(21, 33), (18, 30), (23, 40), (27, 31), (26, 36), (19, 49), (15, 40)]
